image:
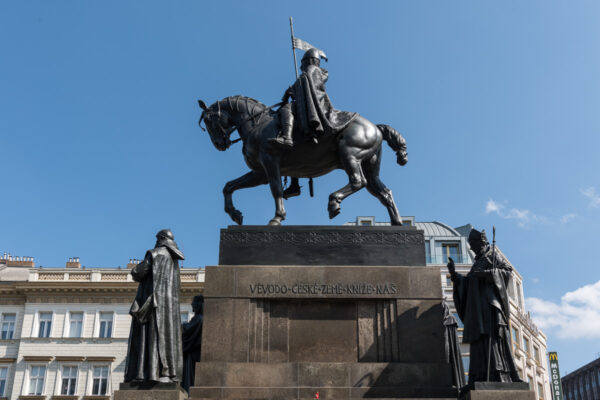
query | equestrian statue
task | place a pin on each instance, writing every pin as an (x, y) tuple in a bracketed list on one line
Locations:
[(306, 138)]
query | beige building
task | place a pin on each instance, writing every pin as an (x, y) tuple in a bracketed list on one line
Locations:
[(64, 331), (528, 342)]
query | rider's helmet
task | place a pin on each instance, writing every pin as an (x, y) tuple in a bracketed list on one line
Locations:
[(313, 56)]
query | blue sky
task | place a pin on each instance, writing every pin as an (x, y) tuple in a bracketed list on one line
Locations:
[(498, 103)]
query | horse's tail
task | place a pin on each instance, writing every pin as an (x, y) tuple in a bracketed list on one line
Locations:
[(395, 140)]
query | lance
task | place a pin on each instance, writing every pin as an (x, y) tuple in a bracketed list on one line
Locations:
[(294, 47), (491, 307)]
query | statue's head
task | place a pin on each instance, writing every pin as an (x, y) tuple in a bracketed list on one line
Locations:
[(218, 124), (312, 57), (478, 241), (198, 304)]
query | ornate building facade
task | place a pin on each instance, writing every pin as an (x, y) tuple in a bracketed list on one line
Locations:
[(64, 331), (528, 342)]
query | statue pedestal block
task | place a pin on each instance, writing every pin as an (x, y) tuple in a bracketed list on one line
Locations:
[(499, 391), (355, 330), (150, 391)]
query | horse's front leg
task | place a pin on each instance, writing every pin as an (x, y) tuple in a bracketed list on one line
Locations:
[(271, 166), (250, 179)]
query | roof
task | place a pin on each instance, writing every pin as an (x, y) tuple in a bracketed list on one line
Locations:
[(436, 228)]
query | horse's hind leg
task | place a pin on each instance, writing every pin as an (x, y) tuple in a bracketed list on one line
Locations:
[(377, 188), (357, 182)]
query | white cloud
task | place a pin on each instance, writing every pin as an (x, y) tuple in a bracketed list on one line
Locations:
[(591, 194), (567, 217), (577, 316), (523, 217), (493, 207), (535, 280)]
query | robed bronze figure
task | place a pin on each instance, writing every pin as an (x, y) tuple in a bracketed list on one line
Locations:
[(154, 352), (192, 342), (481, 300)]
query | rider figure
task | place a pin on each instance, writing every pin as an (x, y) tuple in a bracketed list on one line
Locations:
[(311, 105), (311, 108)]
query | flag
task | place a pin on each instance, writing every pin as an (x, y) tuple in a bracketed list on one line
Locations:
[(302, 45)]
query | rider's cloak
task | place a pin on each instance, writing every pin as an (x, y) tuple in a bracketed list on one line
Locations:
[(155, 349), (314, 110), (481, 300)]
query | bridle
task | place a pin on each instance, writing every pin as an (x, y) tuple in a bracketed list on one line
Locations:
[(252, 117)]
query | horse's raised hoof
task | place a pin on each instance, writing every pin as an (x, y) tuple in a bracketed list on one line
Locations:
[(334, 209), (275, 222), (237, 217)]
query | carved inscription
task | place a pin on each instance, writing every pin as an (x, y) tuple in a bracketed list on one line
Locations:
[(323, 289), (391, 238)]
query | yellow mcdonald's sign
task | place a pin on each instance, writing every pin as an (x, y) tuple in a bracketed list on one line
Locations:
[(555, 382)]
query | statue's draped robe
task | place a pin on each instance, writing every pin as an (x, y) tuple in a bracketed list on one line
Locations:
[(453, 355), (313, 109), (154, 349), (192, 344), (481, 300)]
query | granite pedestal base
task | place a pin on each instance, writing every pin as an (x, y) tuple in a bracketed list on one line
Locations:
[(499, 391), (150, 391), (344, 329)]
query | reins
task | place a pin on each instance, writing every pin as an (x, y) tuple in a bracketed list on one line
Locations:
[(258, 114)]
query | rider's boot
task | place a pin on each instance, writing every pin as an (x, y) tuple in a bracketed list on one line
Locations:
[(284, 140), (293, 190)]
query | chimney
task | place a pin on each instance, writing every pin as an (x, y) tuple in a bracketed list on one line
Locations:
[(11, 261), (133, 262), (73, 263)]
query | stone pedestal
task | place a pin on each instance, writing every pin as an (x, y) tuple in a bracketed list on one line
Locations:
[(305, 311), (499, 391), (150, 391)]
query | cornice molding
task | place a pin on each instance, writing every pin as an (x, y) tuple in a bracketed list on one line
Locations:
[(38, 358), (96, 359), (70, 358), (7, 360)]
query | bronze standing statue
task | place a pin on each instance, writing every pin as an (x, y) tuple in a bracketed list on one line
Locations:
[(192, 342), (154, 353), (275, 144), (481, 299)]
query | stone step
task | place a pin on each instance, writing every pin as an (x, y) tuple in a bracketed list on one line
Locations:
[(339, 393), (322, 374)]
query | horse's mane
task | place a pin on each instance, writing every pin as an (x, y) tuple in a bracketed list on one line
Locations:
[(252, 106)]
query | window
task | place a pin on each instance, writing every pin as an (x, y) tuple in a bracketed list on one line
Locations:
[(427, 252), (526, 344), (450, 250), (45, 324), (75, 324), (100, 381), (8, 325), (518, 295), (536, 354), (106, 322), (37, 374), (515, 339), (69, 381), (448, 281), (184, 317), (465, 360), (3, 378)]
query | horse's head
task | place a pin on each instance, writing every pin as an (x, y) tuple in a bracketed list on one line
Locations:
[(219, 124)]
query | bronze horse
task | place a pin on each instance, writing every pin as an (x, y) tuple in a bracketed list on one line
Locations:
[(356, 149)]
